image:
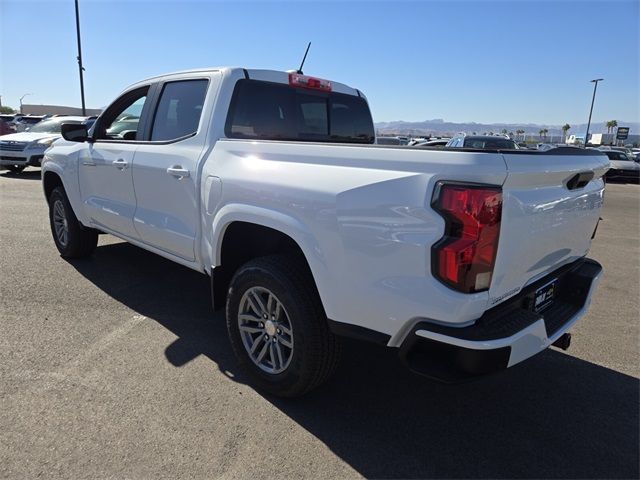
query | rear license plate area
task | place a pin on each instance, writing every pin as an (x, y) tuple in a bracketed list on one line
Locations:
[(544, 296)]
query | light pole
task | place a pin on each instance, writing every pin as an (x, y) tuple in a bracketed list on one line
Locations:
[(593, 99), (21, 100), (80, 67)]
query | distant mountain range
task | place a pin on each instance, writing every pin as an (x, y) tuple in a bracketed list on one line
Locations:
[(441, 127)]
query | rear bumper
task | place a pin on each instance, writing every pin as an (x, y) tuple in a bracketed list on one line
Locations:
[(506, 334)]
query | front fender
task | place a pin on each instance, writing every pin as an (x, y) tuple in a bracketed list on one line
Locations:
[(49, 167), (62, 160)]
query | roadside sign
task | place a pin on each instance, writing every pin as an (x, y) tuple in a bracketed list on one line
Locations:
[(622, 133)]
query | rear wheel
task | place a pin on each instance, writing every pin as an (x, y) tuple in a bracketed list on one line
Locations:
[(71, 238), (278, 328)]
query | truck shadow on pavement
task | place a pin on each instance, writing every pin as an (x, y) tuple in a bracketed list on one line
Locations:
[(555, 416), (26, 175)]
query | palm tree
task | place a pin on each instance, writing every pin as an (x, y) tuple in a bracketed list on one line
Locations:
[(611, 124), (503, 131), (511, 135), (520, 131), (565, 129)]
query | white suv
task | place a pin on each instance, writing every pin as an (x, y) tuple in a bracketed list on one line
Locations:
[(19, 150)]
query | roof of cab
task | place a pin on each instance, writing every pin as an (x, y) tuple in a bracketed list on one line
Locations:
[(255, 74)]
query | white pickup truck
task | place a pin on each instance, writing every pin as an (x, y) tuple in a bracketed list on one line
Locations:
[(466, 261)]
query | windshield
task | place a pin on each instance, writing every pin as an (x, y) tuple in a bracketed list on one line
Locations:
[(49, 126), (30, 120)]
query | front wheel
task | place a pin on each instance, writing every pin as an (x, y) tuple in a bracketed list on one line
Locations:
[(277, 326), (71, 238)]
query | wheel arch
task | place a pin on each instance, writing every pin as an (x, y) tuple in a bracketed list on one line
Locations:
[(243, 232), (56, 174), (51, 180)]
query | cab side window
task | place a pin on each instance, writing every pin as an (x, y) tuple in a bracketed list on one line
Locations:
[(179, 110), (121, 120)]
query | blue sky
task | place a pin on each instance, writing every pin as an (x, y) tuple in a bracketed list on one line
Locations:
[(505, 61)]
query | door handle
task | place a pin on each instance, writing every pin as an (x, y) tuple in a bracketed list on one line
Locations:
[(120, 163), (178, 172)]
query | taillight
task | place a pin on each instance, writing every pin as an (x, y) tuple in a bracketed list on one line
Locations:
[(464, 258), (304, 81)]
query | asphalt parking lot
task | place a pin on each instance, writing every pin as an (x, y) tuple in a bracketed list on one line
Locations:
[(116, 367)]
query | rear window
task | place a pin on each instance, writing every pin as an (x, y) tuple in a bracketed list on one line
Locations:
[(613, 155), (274, 111)]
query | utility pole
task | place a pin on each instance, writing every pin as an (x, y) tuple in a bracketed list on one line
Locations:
[(593, 99), (21, 100), (80, 67)]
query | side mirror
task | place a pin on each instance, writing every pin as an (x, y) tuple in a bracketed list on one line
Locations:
[(74, 132)]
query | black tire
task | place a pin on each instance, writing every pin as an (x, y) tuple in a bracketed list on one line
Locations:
[(15, 168), (80, 241), (316, 350)]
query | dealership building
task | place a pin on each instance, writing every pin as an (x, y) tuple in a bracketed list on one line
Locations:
[(57, 110)]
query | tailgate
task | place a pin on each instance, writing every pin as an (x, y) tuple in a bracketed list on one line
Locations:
[(548, 215)]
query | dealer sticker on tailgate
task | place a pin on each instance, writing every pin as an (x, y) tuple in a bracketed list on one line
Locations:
[(544, 296)]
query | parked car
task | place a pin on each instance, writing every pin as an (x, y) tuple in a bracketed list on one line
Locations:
[(124, 127), (432, 143), (269, 183), (22, 149), (482, 142), (623, 166), (391, 141), (8, 122), (5, 127), (628, 150), (545, 146)]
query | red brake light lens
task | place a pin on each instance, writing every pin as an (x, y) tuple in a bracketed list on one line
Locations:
[(464, 258), (304, 81)]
